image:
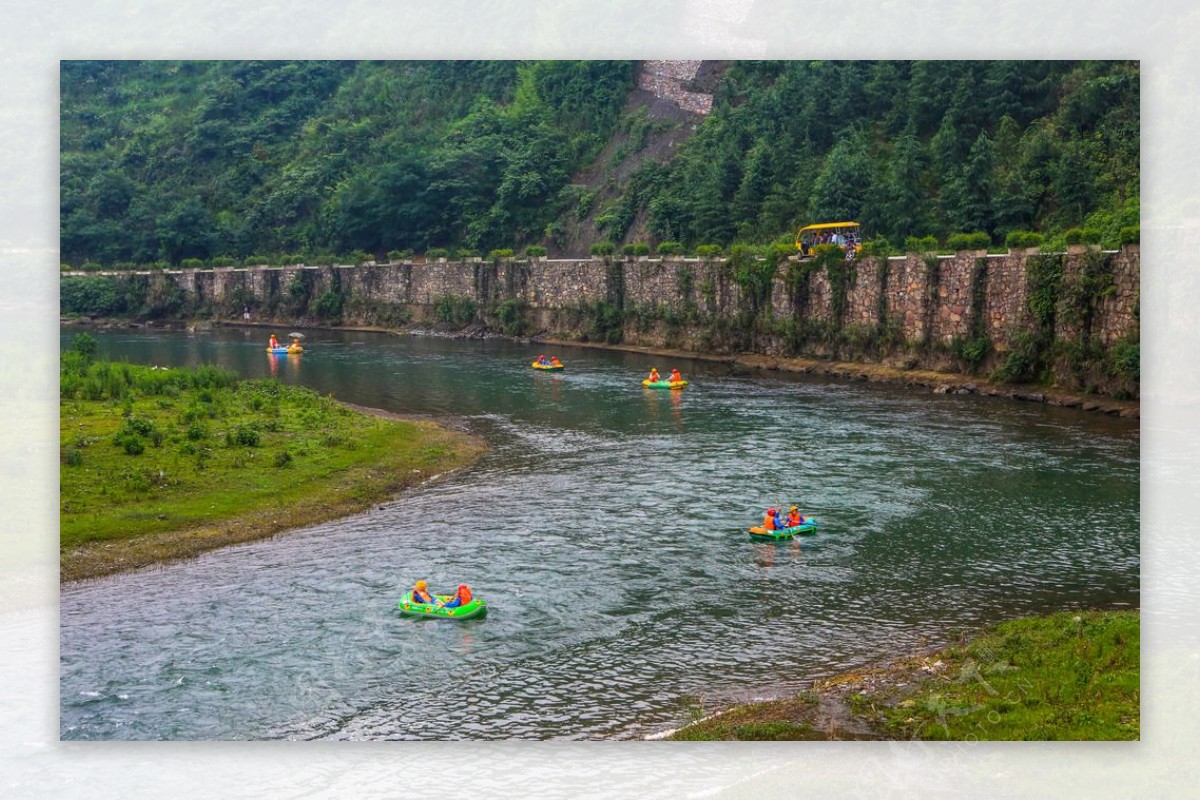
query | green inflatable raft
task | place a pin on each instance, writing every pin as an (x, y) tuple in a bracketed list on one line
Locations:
[(808, 527), (476, 607)]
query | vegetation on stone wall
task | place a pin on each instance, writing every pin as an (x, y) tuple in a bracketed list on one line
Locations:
[(509, 317), (975, 346), (454, 310), (1082, 361), (1030, 349)]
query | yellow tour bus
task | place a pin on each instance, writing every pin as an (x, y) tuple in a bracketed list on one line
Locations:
[(843, 234)]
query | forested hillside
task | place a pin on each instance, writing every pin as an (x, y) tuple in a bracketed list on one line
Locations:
[(166, 161)]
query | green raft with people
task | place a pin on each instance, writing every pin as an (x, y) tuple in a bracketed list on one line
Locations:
[(808, 527), (476, 607)]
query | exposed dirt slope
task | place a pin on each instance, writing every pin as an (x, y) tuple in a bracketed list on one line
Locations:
[(667, 127)]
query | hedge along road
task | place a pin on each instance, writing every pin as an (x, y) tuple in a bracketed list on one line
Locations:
[(606, 528)]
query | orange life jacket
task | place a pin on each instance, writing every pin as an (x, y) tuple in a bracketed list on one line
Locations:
[(464, 596), (654, 375), (769, 522), (794, 519), (422, 596)]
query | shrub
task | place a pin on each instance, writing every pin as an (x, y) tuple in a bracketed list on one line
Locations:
[(606, 324), (670, 248), (196, 432), (925, 244), (72, 456), (1124, 360), (90, 266), (192, 264), (1018, 240), (456, 311), (466, 253), (1022, 360), (246, 435), (510, 315), (972, 350), (603, 249), (976, 240), (535, 251), (1091, 236), (500, 253), (878, 247), (255, 261), (1130, 235), (93, 295), (708, 251), (329, 305), (399, 255), (635, 249), (85, 345), (1073, 236), (436, 253), (137, 425), (223, 261), (283, 459), (131, 443)]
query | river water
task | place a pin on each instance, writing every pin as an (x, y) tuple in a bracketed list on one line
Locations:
[(606, 529)]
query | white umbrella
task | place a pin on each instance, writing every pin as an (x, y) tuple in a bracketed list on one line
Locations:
[(296, 335)]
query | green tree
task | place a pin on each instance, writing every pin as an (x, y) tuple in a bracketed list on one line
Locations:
[(904, 190), (967, 197), (845, 186), (186, 231)]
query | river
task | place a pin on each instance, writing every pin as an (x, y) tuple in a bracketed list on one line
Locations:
[(606, 529)]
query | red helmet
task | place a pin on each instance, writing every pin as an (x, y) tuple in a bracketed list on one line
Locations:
[(770, 511)]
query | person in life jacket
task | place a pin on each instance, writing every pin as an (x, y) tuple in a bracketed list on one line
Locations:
[(769, 520), (675, 376), (779, 522), (421, 594), (461, 598), (794, 517), (274, 343), (554, 362), (542, 359), (654, 375)]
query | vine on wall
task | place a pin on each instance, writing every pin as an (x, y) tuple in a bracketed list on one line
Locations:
[(1028, 357), (973, 348)]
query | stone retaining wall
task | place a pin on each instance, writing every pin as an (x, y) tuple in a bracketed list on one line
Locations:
[(927, 301)]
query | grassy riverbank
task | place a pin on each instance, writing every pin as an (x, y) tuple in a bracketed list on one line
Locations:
[(165, 464), (1067, 676)]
